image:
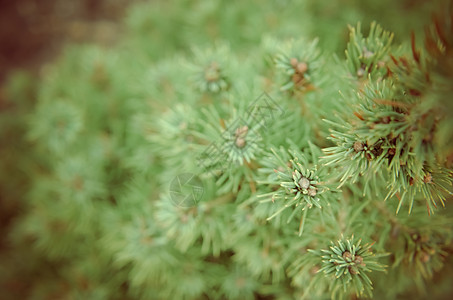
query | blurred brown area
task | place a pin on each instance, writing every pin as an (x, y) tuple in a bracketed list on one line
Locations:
[(33, 31), (33, 34)]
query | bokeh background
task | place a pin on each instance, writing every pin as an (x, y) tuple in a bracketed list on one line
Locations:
[(33, 33)]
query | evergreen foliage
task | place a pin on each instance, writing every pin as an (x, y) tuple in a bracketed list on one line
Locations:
[(234, 151)]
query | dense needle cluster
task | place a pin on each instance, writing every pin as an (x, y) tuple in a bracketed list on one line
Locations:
[(349, 261)]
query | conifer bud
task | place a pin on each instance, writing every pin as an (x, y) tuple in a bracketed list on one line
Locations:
[(347, 256), (240, 142), (304, 183), (360, 72), (349, 260), (312, 192), (297, 78), (424, 257), (428, 178), (212, 72), (358, 146), (302, 67), (242, 131), (359, 260)]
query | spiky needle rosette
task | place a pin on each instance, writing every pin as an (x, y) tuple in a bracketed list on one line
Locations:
[(299, 181), (349, 261)]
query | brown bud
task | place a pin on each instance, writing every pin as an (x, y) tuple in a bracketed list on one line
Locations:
[(311, 192), (293, 62), (242, 131), (428, 178), (424, 257), (358, 146), (302, 67), (347, 256), (240, 142), (359, 260), (353, 270), (212, 72), (424, 238), (385, 120), (297, 78)]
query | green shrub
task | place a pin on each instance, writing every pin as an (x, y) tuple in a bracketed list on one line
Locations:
[(232, 151)]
